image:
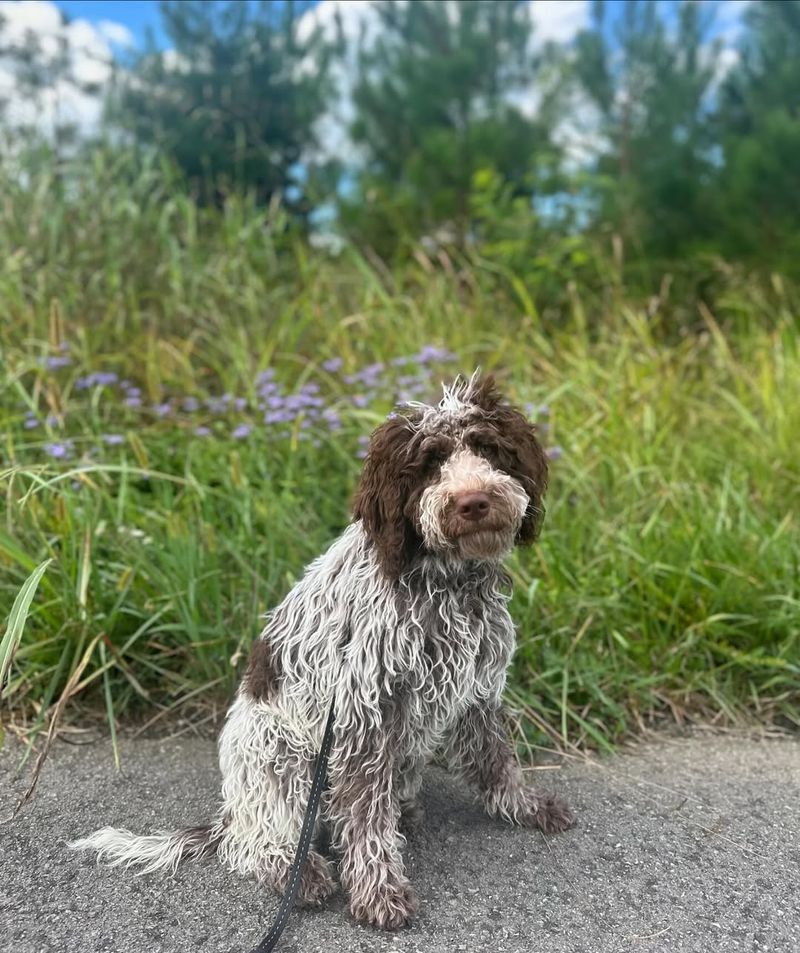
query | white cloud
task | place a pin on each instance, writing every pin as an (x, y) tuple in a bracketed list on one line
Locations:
[(356, 19), (35, 16), (558, 20), (88, 48), (554, 20), (116, 33)]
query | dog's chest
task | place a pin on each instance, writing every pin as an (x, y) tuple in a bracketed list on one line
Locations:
[(460, 641)]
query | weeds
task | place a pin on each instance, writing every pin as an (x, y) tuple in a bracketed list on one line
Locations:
[(185, 399)]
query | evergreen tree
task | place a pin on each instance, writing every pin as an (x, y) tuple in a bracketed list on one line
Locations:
[(434, 104), (234, 102), (760, 129), (653, 87)]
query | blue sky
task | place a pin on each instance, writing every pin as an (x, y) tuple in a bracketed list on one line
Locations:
[(140, 15), (136, 15)]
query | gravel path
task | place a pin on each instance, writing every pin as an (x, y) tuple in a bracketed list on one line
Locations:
[(690, 844)]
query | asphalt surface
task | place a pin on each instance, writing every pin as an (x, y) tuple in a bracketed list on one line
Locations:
[(684, 845)]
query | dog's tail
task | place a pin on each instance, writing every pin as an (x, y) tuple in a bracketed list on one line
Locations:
[(154, 851)]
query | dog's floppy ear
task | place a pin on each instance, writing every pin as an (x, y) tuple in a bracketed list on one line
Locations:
[(519, 452), (383, 490), (527, 462)]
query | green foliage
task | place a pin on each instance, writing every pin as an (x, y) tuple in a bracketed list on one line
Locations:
[(432, 108), (761, 140), (234, 101), (666, 579), (652, 87)]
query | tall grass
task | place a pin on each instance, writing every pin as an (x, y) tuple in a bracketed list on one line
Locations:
[(666, 578)]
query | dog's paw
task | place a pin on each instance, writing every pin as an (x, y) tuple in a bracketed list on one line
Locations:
[(551, 815), (316, 882), (391, 907)]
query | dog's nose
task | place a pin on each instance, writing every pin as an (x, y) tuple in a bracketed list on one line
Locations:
[(473, 506)]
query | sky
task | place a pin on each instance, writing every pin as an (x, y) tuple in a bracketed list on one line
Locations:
[(556, 19), (135, 15), (99, 30)]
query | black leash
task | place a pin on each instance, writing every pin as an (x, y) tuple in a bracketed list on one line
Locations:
[(318, 785)]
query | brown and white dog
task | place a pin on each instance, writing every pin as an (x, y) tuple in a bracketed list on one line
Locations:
[(403, 624)]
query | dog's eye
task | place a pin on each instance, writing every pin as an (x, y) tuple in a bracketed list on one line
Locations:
[(435, 458), (485, 448)]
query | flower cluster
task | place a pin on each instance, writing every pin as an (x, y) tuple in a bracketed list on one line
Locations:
[(305, 411)]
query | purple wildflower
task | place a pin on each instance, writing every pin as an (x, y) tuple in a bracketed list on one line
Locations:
[(363, 444), (191, 404), (360, 400), (113, 439), (162, 410), (99, 379), (242, 431), (240, 403), (332, 365), (202, 431), (51, 420), (217, 405), (267, 388), (264, 376), (371, 373), (430, 353), (554, 453), (133, 400), (30, 421), (57, 361), (278, 417), (332, 419), (58, 451)]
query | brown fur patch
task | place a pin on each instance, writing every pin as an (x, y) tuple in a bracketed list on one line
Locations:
[(508, 440), (391, 472), (262, 678)]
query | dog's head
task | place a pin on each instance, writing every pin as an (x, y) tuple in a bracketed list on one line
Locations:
[(463, 479)]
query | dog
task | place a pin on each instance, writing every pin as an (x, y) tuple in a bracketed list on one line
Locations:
[(403, 624)]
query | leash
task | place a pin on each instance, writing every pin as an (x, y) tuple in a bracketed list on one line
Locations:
[(318, 785)]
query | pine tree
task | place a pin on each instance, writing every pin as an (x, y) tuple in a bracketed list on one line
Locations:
[(434, 104), (759, 122), (653, 88), (235, 100)]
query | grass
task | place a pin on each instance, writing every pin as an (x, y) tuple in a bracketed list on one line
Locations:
[(666, 578)]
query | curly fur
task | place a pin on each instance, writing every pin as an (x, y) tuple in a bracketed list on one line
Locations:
[(403, 623)]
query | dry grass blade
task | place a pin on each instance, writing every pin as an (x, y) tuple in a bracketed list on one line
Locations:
[(54, 719)]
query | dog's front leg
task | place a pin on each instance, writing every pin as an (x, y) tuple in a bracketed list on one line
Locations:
[(480, 751), (365, 812)]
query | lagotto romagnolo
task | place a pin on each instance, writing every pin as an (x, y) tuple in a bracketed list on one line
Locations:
[(404, 624)]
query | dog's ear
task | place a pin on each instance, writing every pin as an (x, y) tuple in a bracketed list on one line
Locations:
[(384, 487), (526, 461), (519, 452)]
